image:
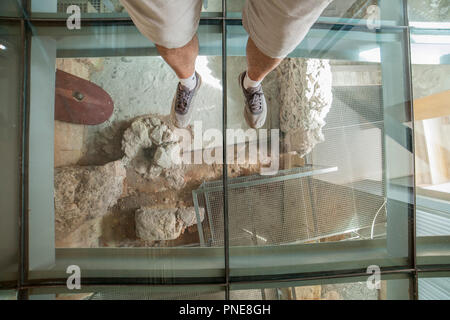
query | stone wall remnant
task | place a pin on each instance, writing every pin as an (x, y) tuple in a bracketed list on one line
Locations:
[(85, 193), (153, 224), (306, 97)]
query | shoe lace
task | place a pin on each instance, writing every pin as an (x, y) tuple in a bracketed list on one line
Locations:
[(255, 99)]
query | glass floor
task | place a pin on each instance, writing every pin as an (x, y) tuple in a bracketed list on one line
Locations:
[(349, 174)]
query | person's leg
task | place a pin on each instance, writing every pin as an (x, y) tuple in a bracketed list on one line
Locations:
[(269, 43), (172, 26), (181, 60), (259, 64)]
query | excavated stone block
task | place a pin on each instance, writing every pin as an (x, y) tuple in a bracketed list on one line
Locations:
[(157, 224), (153, 224), (84, 193)]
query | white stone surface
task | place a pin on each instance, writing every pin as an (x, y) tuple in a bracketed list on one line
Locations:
[(306, 97)]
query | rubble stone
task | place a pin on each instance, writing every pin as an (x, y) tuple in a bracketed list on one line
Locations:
[(157, 224), (189, 217), (153, 224), (157, 134), (162, 158), (149, 145), (84, 193), (175, 178)]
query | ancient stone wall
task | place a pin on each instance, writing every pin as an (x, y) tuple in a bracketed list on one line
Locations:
[(306, 97)]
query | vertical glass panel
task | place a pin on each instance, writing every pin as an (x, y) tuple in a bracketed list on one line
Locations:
[(102, 8), (390, 12), (344, 164), (10, 142), (430, 54), (337, 289), (103, 146)]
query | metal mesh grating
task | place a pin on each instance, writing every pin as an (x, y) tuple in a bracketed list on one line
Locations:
[(315, 201), (277, 212), (355, 106)]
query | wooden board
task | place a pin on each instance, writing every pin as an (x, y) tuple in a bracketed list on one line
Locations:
[(434, 106), (80, 101)]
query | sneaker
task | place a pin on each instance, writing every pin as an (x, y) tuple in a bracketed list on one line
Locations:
[(255, 109), (182, 104)]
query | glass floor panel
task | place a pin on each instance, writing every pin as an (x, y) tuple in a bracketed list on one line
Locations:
[(329, 185)]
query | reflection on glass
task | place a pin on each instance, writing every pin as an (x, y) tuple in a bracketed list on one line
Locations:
[(431, 86), (10, 53)]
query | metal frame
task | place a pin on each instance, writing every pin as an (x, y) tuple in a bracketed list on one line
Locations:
[(24, 284), (412, 221), (224, 153)]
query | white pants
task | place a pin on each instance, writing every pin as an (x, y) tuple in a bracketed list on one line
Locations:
[(275, 26)]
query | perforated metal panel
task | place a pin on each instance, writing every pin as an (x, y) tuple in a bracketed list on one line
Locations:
[(343, 191), (263, 211)]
